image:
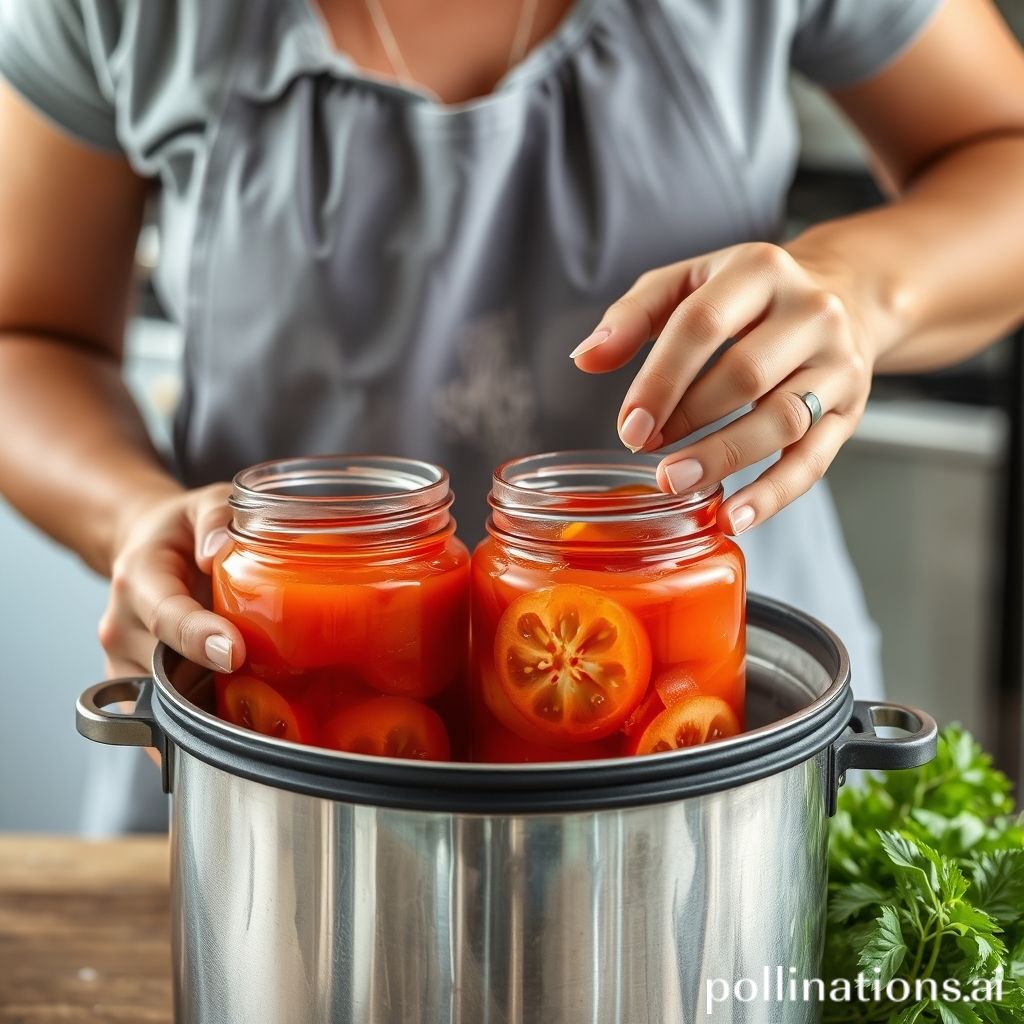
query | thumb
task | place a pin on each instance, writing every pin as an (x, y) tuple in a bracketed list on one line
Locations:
[(210, 515)]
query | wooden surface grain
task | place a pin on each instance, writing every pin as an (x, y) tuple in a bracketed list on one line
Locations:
[(84, 931)]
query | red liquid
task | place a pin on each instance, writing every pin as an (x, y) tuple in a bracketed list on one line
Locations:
[(606, 653), (349, 649)]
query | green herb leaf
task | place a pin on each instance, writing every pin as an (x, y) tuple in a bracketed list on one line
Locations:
[(998, 885), (852, 898), (885, 948), (965, 919), (955, 1013), (911, 1013), (926, 880), (1015, 965), (906, 854)]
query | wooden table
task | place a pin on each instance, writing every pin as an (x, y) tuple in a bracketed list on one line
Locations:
[(84, 931)]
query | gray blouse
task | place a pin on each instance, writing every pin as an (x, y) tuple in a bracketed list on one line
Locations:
[(357, 267)]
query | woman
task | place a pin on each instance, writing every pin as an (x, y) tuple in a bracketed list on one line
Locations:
[(385, 223)]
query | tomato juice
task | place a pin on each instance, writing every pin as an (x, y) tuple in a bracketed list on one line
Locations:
[(608, 617), (350, 589)]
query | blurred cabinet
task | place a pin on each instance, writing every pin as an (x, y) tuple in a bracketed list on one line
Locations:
[(919, 492)]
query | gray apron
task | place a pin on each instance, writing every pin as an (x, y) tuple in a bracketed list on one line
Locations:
[(372, 272)]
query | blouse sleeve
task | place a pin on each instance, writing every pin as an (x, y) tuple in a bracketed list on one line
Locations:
[(52, 54), (839, 42)]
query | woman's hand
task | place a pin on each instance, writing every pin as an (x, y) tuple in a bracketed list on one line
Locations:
[(160, 576), (795, 332)]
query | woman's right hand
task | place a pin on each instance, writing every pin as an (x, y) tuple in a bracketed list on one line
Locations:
[(160, 586)]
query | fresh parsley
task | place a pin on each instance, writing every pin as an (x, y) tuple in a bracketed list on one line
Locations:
[(926, 881)]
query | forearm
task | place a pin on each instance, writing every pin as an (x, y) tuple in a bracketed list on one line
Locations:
[(75, 456), (939, 273)]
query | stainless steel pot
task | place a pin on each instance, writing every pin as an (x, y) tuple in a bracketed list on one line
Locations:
[(313, 886)]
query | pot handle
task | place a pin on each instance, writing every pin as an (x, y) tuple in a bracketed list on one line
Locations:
[(862, 747), (135, 728)]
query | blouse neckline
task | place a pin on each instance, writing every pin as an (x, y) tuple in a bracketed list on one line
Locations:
[(537, 63)]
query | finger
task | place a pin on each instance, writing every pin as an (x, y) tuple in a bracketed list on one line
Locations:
[(748, 370), (800, 467), (736, 297), (637, 317), (781, 419), (210, 515), (125, 639), (138, 645), (163, 603)]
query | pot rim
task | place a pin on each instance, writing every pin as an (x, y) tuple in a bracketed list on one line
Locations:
[(530, 788)]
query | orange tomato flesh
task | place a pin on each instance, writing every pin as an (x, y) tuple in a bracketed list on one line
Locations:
[(688, 723), (573, 662), (594, 532), (390, 727), (253, 704)]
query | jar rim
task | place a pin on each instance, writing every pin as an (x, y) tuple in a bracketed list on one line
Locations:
[(535, 486), (364, 493)]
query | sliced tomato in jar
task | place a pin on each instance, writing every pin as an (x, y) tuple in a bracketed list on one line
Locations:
[(725, 679), (254, 704), (573, 662), (600, 532), (390, 727), (499, 705), (688, 723)]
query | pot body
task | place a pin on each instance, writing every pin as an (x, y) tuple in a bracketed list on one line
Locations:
[(297, 909), (316, 886)]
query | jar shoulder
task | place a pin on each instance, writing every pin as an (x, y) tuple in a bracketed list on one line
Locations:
[(241, 564), (717, 556)]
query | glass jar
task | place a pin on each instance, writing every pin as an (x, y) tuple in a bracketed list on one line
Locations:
[(608, 617), (351, 591)]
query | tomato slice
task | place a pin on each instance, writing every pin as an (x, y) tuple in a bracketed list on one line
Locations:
[(254, 704), (499, 705), (600, 532), (390, 727), (573, 662), (690, 722)]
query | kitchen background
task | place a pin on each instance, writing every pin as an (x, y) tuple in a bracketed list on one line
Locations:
[(929, 492)]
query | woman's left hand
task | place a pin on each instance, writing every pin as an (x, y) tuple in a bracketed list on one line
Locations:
[(796, 333)]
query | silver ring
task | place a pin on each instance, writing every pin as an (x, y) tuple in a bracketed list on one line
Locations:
[(810, 399)]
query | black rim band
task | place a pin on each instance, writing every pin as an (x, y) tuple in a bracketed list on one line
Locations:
[(584, 786)]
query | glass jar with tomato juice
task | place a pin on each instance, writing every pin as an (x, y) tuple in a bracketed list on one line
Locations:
[(608, 617), (351, 591)]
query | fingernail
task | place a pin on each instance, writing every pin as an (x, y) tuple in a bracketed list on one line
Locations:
[(636, 429), (741, 518), (597, 338), (218, 650), (214, 542), (684, 475)]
